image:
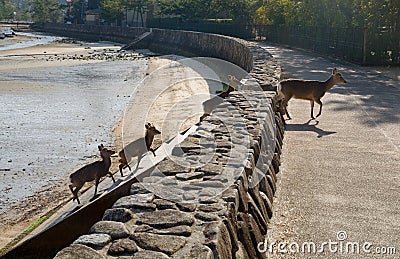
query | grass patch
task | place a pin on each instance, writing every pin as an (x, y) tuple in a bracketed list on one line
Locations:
[(29, 229), (34, 225)]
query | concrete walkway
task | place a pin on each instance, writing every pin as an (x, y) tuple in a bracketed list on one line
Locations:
[(340, 177)]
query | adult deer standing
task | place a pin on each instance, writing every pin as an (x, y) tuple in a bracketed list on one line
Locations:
[(90, 172), (138, 148), (307, 90)]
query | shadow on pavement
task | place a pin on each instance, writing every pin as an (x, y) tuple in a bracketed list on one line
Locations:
[(309, 127)]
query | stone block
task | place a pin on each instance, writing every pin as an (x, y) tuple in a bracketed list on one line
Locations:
[(138, 188), (259, 216), (200, 251), (218, 239), (119, 214), (160, 243), (163, 204), (176, 231), (268, 204), (136, 207), (187, 207), (114, 229), (95, 241), (78, 251), (165, 218), (189, 176), (123, 247), (207, 217)]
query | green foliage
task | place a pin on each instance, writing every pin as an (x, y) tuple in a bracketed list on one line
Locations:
[(6, 9), (46, 11), (340, 13), (139, 7), (22, 16), (112, 10), (237, 10)]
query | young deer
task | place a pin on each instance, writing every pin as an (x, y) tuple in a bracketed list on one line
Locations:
[(90, 172), (138, 148), (307, 90), (211, 104)]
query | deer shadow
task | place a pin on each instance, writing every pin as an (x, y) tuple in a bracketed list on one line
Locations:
[(309, 127)]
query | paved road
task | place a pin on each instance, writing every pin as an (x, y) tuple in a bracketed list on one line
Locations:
[(340, 172)]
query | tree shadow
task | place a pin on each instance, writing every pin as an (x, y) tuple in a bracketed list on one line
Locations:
[(309, 127)]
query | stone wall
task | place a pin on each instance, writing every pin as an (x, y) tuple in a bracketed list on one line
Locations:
[(93, 32), (145, 224), (164, 41), (229, 225)]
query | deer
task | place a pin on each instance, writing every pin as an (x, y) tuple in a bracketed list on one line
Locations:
[(211, 104), (311, 90), (138, 148), (94, 171)]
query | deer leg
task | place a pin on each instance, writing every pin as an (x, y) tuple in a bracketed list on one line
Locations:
[(139, 158), (285, 107), (70, 187), (121, 166), (203, 116), (97, 183), (320, 106), (75, 192), (312, 109), (112, 177)]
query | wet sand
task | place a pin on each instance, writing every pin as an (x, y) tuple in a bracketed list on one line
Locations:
[(59, 101)]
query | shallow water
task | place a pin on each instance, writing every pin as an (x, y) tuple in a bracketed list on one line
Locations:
[(54, 123), (36, 40)]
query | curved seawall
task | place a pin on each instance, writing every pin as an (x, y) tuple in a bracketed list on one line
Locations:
[(230, 225)]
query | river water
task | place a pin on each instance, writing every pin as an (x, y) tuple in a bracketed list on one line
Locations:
[(53, 118)]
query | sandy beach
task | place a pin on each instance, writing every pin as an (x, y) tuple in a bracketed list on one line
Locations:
[(132, 99)]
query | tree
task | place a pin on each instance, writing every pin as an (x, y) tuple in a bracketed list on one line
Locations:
[(112, 11), (139, 7), (46, 11), (6, 9), (339, 13), (237, 10)]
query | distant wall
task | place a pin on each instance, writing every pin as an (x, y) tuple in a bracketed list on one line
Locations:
[(164, 41), (93, 32)]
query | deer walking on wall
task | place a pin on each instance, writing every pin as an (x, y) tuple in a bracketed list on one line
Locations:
[(138, 148), (211, 104), (94, 171), (311, 90)]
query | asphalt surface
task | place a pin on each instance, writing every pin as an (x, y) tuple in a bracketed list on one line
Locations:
[(339, 179)]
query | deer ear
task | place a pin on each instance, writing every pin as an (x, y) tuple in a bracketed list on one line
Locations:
[(100, 147), (147, 125), (334, 71)]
